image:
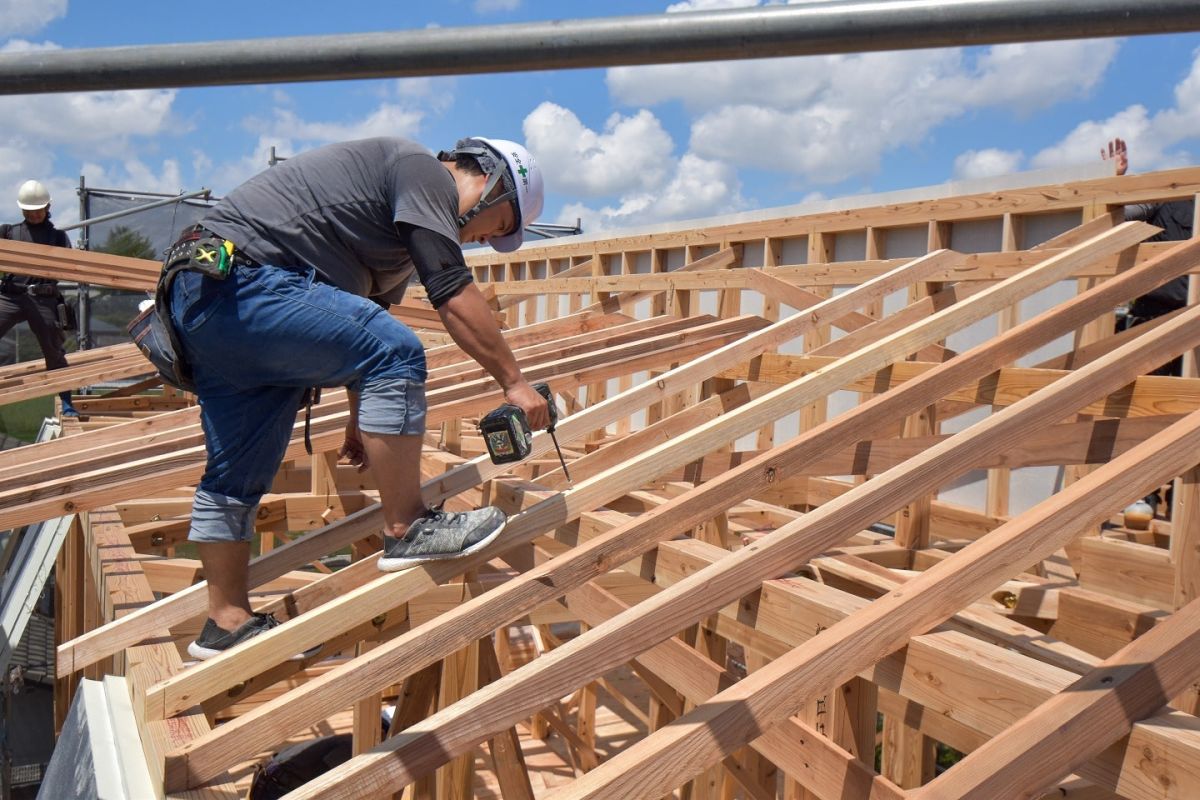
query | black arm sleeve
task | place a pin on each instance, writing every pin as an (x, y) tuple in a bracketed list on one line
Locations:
[(439, 262), (1140, 212)]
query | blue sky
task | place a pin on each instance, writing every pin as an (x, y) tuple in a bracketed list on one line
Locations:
[(619, 147)]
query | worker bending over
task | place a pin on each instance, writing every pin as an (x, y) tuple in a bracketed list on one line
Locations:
[(307, 256)]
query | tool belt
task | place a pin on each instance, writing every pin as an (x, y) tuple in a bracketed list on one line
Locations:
[(152, 330), (11, 288)]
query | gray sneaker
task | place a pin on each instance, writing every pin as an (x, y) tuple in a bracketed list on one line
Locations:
[(214, 640), (440, 535)]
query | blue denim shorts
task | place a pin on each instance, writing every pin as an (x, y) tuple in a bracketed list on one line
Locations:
[(255, 341)]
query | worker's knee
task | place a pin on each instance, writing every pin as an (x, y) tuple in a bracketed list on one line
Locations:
[(221, 518), (392, 406)]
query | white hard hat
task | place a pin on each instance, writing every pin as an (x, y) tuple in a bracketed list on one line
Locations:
[(522, 177), (32, 196), (527, 176)]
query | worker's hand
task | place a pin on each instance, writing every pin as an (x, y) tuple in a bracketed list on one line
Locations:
[(1117, 153), (526, 398), (352, 448)]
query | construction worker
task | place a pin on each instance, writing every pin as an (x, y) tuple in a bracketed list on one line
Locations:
[(37, 301), (313, 251), (1175, 218)]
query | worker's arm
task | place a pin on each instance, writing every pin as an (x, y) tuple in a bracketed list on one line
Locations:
[(467, 317), (469, 321)]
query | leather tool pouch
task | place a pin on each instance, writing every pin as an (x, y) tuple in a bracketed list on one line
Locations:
[(67, 318), (154, 334), (152, 330), (203, 252)]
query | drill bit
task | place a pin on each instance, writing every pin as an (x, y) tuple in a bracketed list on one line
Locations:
[(561, 460)]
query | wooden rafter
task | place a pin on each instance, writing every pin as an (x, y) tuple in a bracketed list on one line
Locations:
[(796, 623)]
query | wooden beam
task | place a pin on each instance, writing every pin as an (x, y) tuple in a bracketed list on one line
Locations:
[(214, 675), (186, 605), (1065, 198), (993, 685), (689, 374), (1147, 395), (194, 764), (763, 698), (666, 614), (1082, 720), (98, 269), (796, 748)]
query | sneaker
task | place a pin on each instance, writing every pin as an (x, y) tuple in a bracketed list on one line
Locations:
[(440, 535), (214, 640)]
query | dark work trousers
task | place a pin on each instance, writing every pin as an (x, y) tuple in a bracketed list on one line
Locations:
[(42, 315)]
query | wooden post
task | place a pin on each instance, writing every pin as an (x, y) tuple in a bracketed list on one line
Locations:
[(505, 748), (820, 251), (772, 255), (908, 755), (912, 522), (1185, 558), (460, 677), (1096, 330), (999, 478), (68, 613)]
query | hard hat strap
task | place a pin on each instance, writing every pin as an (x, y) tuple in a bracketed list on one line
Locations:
[(494, 177)]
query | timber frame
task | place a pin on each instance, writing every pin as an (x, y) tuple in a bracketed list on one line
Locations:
[(762, 571)]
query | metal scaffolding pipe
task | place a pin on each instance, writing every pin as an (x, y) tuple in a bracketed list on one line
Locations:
[(175, 198), (807, 29)]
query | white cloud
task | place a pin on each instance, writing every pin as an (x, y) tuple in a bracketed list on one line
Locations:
[(98, 123), (436, 94), (137, 175), (1156, 141), (1030, 77), (44, 134), (779, 81), (632, 153), (830, 118), (29, 16), (388, 119), (227, 175), (18, 163), (103, 122), (1084, 142), (698, 188), (406, 104), (987, 163), (495, 6), (709, 5)]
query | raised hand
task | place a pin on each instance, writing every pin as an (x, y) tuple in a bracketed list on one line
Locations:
[(1117, 153)]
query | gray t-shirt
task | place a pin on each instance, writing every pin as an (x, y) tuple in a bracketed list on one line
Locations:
[(334, 209)]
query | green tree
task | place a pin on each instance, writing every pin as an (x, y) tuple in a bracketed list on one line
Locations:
[(125, 241)]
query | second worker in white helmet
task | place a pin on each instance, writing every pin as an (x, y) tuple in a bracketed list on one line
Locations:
[(32, 300), (320, 245)]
